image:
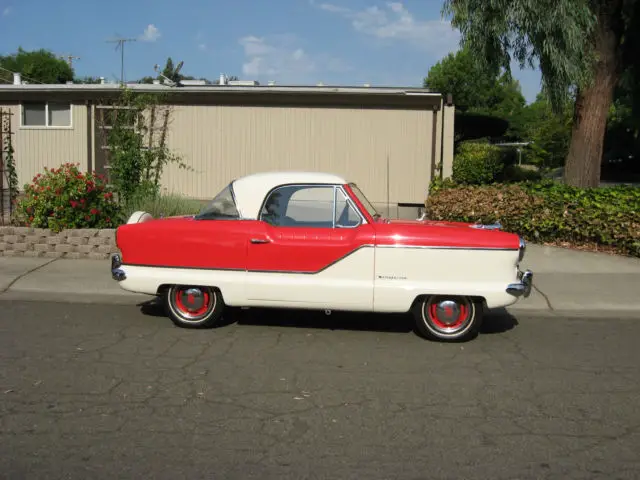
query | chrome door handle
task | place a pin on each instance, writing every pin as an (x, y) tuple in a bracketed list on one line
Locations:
[(259, 240)]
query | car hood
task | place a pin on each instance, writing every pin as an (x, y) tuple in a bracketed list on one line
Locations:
[(440, 223)]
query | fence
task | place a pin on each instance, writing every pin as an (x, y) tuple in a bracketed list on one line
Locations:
[(8, 177)]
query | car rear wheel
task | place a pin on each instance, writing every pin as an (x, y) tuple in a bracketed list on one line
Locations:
[(193, 306), (448, 317)]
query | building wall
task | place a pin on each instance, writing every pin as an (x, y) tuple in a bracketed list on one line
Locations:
[(225, 142), (40, 147)]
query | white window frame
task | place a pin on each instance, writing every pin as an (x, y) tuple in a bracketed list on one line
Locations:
[(46, 117)]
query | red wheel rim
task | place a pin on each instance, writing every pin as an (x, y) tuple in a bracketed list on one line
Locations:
[(193, 302)]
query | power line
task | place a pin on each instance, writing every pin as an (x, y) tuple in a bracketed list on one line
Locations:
[(121, 41), (23, 76)]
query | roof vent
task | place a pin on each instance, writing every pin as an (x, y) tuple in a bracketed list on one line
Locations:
[(245, 83), (193, 82), (17, 80)]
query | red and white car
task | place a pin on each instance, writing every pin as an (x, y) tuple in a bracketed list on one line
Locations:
[(308, 240)]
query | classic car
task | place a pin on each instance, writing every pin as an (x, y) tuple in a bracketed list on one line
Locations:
[(310, 240)]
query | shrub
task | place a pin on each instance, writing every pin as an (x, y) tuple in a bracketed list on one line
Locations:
[(167, 205), (477, 163), (67, 198), (547, 212), (515, 173)]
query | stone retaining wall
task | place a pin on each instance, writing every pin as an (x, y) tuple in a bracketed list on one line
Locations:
[(95, 244)]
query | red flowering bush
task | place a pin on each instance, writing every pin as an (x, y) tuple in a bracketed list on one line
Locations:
[(67, 198)]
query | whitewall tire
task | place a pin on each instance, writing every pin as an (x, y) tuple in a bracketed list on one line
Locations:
[(450, 318), (191, 306)]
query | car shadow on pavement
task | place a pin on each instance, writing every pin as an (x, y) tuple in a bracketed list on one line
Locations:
[(313, 319), (495, 321), (498, 320)]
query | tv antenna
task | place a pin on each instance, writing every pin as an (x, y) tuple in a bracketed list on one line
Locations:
[(175, 72), (69, 59), (120, 45)]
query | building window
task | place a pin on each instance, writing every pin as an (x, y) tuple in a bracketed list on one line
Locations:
[(46, 114)]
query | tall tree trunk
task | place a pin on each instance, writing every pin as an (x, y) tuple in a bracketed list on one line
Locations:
[(591, 110)]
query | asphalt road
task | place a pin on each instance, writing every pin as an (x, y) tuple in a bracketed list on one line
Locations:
[(90, 392)]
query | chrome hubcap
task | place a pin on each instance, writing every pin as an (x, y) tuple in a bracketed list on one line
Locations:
[(193, 299), (448, 311), (192, 303)]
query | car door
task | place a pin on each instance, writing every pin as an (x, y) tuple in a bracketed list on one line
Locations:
[(311, 248)]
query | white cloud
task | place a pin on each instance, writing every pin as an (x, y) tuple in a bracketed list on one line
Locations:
[(395, 22), (202, 46), (280, 57), (151, 34), (6, 11)]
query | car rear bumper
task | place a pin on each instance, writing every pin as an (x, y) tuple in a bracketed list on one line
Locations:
[(116, 272), (522, 288)]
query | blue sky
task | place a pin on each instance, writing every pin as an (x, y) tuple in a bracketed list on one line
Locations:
[(346, 42)]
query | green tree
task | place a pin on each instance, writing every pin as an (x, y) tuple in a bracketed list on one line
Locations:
[(479, 89), (35, 66), (622, 139), (171, 72), (87, 80), (581, 46), (549, 131)]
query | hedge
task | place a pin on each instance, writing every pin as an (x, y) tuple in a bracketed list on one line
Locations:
[(547, 212), (478, 163)]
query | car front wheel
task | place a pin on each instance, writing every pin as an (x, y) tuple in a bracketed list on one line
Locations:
[(193, 306), (448, 317)]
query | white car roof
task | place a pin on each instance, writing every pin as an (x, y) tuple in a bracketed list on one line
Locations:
[(250, 190)]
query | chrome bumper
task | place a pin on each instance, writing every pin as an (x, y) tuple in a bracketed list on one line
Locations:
[(523, 287), (116, 272)]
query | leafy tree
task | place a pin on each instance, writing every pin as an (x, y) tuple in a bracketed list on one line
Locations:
[(170, 71), (479, 89), (35, 66), (621, 160), (459, 75), (550, 132), (582, 46), (87, 80)]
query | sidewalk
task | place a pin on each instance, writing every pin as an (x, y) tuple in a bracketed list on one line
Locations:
[(564, 281)]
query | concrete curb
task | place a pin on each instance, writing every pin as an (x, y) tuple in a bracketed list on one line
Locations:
[(566, 283), (137, 301), (125, 298)]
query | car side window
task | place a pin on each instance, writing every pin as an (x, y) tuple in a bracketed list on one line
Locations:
[(346, 214), (300, 206)]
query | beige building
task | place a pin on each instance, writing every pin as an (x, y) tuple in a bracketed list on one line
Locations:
[(388, 140)]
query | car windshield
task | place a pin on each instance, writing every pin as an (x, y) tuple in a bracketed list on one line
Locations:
[(222, 207), (365, 201)]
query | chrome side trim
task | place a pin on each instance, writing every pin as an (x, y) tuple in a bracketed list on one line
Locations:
[(493, 226), (447, 247), (523, 287)]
